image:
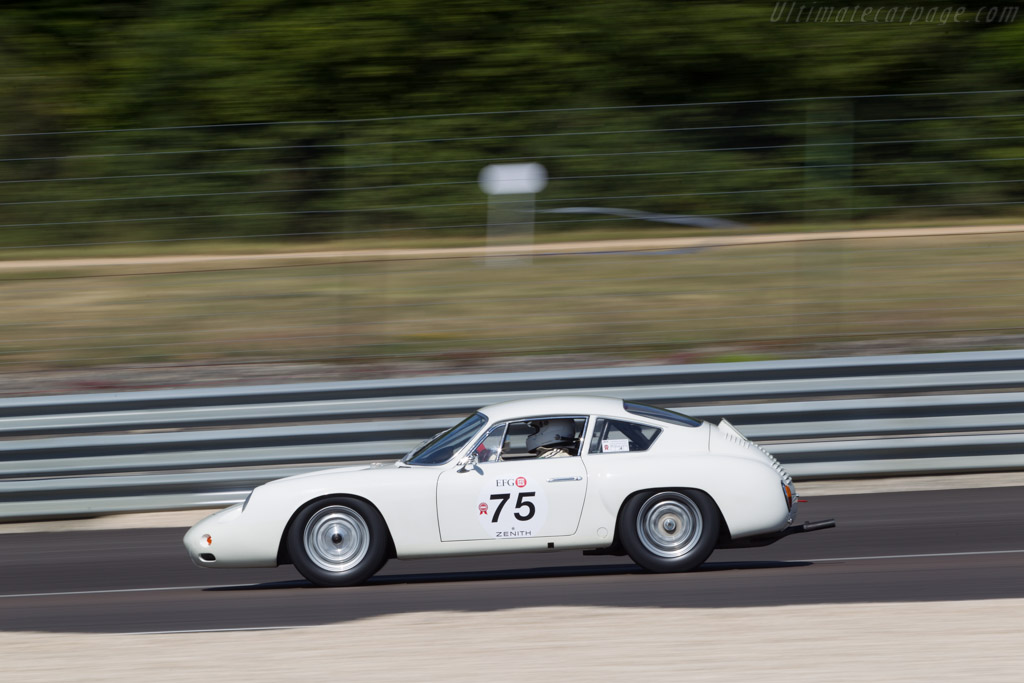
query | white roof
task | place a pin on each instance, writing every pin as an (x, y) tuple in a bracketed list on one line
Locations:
[(556, 405)]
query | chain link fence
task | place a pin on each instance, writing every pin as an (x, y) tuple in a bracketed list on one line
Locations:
[(361, 244)]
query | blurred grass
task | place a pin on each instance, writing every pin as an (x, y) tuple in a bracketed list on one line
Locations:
[(722, 303)]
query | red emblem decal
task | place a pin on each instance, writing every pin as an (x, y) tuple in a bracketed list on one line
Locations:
[(520, 482), (482, 508)]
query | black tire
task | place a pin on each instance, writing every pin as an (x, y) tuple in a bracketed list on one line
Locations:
[(338, 541), (669, 531)]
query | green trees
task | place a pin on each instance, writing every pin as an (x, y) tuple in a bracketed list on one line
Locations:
[(68, 66)]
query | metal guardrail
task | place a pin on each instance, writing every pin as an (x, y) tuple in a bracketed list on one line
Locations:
[(150, 450)]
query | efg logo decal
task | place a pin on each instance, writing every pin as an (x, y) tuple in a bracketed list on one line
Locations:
[(518, 482)]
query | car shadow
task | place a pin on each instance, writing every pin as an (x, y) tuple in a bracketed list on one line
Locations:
[(575, 571)]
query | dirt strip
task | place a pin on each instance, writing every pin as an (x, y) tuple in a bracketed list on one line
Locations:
[(648, 244), (186, 518), (946, 641)]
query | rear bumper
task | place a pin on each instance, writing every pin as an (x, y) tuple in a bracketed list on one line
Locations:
[(768, 539)]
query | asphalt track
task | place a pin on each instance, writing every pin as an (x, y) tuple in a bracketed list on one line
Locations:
[(915, 546)]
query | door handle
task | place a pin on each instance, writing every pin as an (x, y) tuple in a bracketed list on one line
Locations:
[(554, 479)]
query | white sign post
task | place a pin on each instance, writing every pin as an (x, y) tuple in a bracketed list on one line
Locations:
[(510, 189)]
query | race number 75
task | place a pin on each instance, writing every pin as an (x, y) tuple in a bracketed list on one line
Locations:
[(521, 502)]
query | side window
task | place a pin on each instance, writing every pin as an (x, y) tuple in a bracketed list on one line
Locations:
[(515, 440), (620, 436), (548, 437), (489, 449)]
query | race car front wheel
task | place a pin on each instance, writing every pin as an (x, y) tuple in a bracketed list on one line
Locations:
[(669, 531), (338, 541)]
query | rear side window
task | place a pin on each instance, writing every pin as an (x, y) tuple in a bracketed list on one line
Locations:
[(621, 436), (655, 413)]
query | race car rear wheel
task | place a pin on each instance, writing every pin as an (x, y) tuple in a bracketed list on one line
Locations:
[(338, 541), (669, 531)]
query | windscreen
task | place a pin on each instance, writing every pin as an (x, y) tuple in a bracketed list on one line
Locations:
[(441, 448)]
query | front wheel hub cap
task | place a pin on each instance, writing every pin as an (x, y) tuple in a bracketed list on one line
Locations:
[(336, 538)]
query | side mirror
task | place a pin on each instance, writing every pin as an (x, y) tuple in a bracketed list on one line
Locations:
[(468, 463)]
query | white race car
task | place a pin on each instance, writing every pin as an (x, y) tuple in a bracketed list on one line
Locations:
[(597, 474)]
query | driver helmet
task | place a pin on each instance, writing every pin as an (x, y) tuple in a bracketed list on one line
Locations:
[(550, 432)]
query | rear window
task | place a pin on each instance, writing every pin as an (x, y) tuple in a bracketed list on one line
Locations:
[(662, 414), (621, 436)]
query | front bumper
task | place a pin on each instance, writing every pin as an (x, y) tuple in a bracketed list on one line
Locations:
[(203, 552)]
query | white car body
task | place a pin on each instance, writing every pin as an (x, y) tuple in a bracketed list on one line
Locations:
[(570, 502)]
